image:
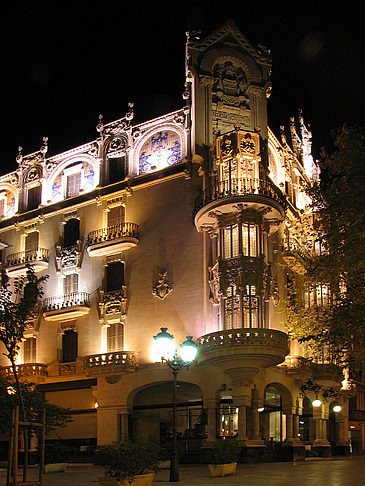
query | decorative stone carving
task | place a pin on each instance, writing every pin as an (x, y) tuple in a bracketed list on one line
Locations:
[(68, 260), (113, 304), (162, 288)]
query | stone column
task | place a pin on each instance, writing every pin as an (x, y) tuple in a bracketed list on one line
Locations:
[(241, 404), (289, 426), (211, 407), (255, 415), (296, 426)]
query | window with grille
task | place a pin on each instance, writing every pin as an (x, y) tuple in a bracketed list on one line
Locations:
[(30, 349), (73, 184), (115, 337)]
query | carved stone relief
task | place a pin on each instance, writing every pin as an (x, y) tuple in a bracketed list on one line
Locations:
[(162, 288)]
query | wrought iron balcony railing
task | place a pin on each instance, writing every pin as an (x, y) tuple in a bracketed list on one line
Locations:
[(27, 256), (240, 187), (112, 233), (73, 299)]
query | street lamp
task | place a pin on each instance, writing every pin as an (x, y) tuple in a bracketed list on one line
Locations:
[(166, 350)]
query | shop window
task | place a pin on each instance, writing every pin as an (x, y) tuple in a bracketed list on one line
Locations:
[(71, 233), (114, 276), (33, 197), (227, 419), (71, 284), (29, 350), (117, 169), (69, 346), (73, 184), (115, 337)]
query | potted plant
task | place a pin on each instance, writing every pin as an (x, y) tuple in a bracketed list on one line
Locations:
[(128, 463), (223, 457), (56, 457)]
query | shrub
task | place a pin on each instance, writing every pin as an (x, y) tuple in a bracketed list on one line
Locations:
[(224, 451)]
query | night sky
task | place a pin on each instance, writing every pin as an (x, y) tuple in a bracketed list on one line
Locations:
[(64, 64)]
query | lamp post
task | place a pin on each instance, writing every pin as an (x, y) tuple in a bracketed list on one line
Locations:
[(167, 352)]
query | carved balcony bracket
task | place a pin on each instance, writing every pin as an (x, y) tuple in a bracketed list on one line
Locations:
[(112, 305), (69, 259)]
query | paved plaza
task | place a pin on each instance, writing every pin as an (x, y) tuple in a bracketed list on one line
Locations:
[(333, 472)]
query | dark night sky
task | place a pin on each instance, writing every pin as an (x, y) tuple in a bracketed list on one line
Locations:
[(64, 64)]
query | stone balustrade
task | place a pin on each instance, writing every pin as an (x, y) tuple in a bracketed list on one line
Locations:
[(111, 362)]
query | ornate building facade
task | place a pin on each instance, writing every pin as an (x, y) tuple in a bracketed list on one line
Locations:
[(194, 221)]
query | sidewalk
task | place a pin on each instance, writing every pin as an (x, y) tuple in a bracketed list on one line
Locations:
[(334, 472)]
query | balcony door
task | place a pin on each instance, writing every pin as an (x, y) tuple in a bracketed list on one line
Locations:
[(69, 346), (116, 216), (31, 245)]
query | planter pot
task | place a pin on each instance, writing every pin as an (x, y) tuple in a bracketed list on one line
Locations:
[(55, 467), (221, 470), (140, 480)]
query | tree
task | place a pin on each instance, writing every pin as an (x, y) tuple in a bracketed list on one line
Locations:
[(339, 207), (34, 403), (17, 304)]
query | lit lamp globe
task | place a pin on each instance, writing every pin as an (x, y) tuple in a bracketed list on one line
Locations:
[(316, 403), (164, 345), (188, 350), (337, 408)]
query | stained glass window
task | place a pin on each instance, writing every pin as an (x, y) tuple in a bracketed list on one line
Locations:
[(249, 240), (231, 247), (250, 307), (232, 309)]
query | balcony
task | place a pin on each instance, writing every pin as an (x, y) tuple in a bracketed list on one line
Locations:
[(115, 362), (240, 348), (67, 306), (256, 194), (35, 371), (295, 255), (111, 240), (16, 263)]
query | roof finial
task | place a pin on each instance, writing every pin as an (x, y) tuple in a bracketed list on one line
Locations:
[(100, 125)]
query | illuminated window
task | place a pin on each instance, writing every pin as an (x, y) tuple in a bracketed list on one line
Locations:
[(115, 337), (232, 309), (249, 239), (31, 242), (250, 307), (231, 248), (318, 295), (228, 419)]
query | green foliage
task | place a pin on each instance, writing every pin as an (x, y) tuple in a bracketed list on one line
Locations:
[(224, 451), (126, 459), (339, 204), (34, 402), (17, 307)]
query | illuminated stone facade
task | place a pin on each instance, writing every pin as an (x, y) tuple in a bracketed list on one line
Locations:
[(192, 221)]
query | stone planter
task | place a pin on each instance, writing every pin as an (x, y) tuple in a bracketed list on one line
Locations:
[(221, 470), (140, 480), (55, 467)]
